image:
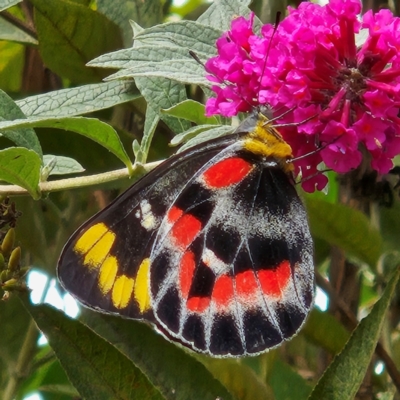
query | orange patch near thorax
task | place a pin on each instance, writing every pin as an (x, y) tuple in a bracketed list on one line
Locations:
[(226, 172)]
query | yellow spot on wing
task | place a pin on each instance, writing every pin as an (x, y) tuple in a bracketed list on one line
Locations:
[(90, 237), (95, 244), (122, 291), (142, 286), (108, 273), (148, 222)]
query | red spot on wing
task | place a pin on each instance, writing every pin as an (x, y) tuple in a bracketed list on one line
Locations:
[(226, 172), (198, 304), (185, 230), (274, 281), (223, 291), (174, 214), (246, 285), (186, 273)]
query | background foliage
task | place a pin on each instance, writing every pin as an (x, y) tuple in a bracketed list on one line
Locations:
[(151, 97)]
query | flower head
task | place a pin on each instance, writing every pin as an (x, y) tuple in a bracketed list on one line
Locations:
[(342, 97)]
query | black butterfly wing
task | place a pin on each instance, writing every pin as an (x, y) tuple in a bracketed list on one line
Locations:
[(232, 265), (105, 262)]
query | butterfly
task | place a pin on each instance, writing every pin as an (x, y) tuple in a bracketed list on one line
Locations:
[(212, 247)]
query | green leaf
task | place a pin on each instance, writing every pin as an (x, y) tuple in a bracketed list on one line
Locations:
[(390, 226), (204, 130), (175, 373), (288, 384), (15, 325), (95, 367), (164, 51), (181, 70), (59, 390), (11, 66), (61, 165), (155, 61), (70, 35), (345, 374), (136, 148), (208, 134), (20, 166), (80, 100), (4, 4), (159, 93), (150, 125), (188, 35), (238, 378), (92, 128), (47, 376), (141, 55), (324, 330), (346, 228), (146, 13), (163, 93), (192, 111), (82, 2), (221, 13), (21, 137), (10, 32)]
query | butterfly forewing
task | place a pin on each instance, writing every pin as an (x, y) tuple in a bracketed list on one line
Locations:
[(105, 263)]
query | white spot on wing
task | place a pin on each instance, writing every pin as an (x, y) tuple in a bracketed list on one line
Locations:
[(214, 263), (147, 218), (146, 207), (149, 222)]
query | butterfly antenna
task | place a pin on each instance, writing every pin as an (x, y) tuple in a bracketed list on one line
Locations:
[(320, 148), (197, 59), (277, 21), (226, 83), (322, 171), (229, 84)]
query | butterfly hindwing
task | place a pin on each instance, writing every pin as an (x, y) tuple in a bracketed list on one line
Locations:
[(231, 267)]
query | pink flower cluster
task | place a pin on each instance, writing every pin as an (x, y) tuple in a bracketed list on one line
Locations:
[(341, 97)]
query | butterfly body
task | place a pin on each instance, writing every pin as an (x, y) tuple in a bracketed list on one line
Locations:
[(212, 247)]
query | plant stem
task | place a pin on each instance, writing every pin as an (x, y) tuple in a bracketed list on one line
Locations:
[(73, 183), (23, 363)]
